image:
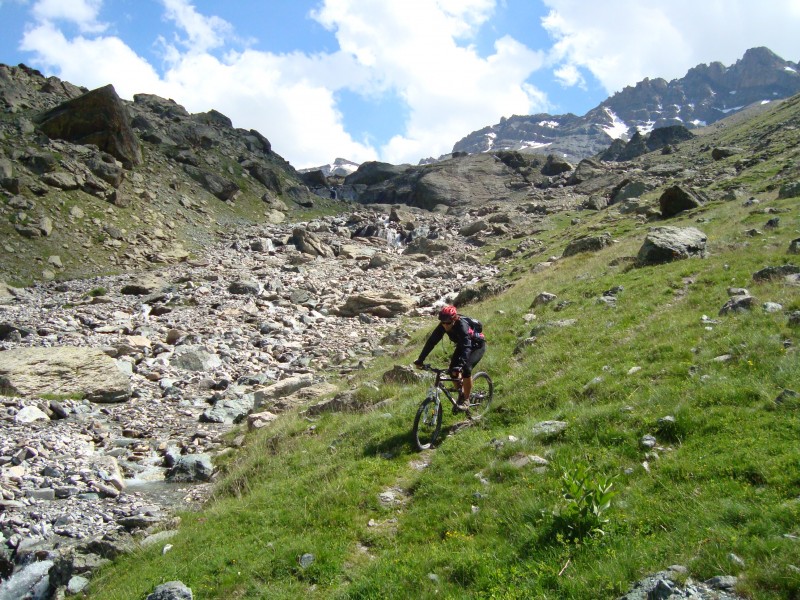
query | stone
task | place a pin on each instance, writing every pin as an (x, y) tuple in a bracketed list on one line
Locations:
[(678, 199), (191, 468), (29, 414), (587, 244), (195, 358), (666, 244), (172, 590), (549, 429), (63, 371), (388, 304)]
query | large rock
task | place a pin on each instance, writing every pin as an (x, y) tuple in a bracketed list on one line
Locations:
[(63, 371), (593, 243), (97, 117), (195, 358), (191, 468), (665, 244), (308, 243), (388, 304), (222, 188), (677, 199)]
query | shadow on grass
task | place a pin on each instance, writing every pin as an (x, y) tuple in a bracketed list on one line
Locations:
[(392, 446)]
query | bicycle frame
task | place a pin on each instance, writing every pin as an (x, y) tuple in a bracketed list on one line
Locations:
[(438, 385)]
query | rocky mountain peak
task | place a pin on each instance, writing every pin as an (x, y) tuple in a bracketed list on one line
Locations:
[(706, 94)]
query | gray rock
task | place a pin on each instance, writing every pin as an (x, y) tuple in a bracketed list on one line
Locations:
[(549, 429), (738, 304), (191, 468), (677, 199), (587, 244), (172, 590), (195, 358), (666, 244), (402, 374), (779, 272), (790, 190), (29, 414)]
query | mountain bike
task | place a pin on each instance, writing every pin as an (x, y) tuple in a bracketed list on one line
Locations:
[(428, 421)]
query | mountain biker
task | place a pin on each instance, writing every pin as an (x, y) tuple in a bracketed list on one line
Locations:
[(470, 347)]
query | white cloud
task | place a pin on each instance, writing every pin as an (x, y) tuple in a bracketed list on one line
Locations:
[(108, 57), (623, 41), (569, 76), (204, 33), (82, 13), (412, 47)]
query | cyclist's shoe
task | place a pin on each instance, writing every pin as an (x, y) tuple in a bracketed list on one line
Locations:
[(462, 405)]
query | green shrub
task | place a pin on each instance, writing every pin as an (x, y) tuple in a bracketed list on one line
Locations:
[(587, 500)]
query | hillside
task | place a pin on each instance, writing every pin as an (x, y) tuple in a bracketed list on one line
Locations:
[(84, 195), (643, 320), (675, 382)]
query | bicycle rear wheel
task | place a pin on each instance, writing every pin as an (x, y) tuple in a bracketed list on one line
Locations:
[(481, 396), (427, 423)]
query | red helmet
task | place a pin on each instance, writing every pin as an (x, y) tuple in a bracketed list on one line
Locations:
[(448, 313)]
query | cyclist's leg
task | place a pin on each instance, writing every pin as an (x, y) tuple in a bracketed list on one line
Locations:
[(474, 358)]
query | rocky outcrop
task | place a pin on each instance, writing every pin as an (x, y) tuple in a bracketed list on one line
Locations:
[(458, 182)]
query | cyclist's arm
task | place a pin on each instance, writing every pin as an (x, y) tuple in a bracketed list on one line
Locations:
[(433, 339)]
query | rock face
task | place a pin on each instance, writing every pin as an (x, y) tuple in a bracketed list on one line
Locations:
[(97, 117), (65, 371), (462, 181)]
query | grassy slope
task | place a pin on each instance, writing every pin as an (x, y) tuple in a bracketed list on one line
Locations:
[(725, 478)]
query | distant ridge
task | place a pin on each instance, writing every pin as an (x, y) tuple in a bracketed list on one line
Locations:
[(706, 94)]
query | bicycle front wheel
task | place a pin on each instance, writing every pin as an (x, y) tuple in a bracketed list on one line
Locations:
[(427, 423), (481, 396)]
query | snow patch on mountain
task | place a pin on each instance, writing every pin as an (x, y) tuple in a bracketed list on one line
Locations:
[(618, 128), (340, 167)]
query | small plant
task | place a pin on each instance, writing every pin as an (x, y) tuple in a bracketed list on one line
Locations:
[(587, 500), (98, 291)]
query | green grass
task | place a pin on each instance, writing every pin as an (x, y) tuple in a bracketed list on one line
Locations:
[(723, 479)]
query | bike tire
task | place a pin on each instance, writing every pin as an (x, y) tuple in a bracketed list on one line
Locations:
[(481, 396), (427, 423)]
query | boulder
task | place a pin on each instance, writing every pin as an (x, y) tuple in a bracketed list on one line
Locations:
[(725, 152), (789, 190), (587, 244), (195, 358), (665, 244), (63, 371), (388, 304), (677, 199), (97, 117), (308, 243), (191, 468), (220, 187)]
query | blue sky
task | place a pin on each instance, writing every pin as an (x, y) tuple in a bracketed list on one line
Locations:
[(392, 80)]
